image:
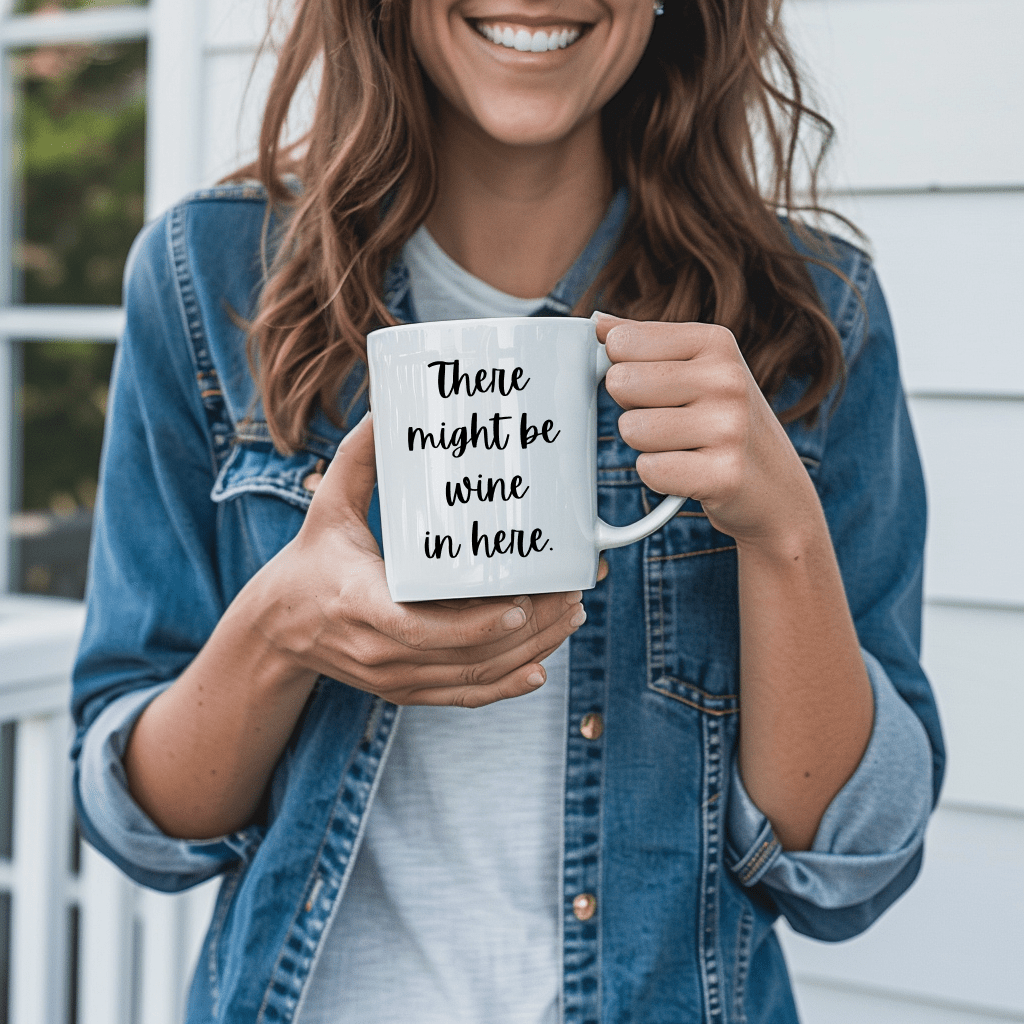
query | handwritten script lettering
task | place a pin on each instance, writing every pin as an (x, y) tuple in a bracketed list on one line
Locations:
[(491, 433), (450, 381), (466, 490)]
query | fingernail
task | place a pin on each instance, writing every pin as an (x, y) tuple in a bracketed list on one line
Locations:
[(514, 618), (598, 315), (578, 619), (574, 598), (537, 678)]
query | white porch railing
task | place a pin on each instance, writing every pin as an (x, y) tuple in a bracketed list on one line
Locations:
[(85, 945)]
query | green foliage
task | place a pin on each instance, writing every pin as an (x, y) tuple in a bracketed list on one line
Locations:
[(32, 6), (64, 398), (82, 122)]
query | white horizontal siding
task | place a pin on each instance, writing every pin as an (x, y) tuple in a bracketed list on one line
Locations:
[(923, 92), (954, 939), (838, 1004), (973, 657), (972, 451), (950, 265)]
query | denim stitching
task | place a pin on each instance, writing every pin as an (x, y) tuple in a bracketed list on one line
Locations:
[(691, 554), (386, 732), (744, 935), (717, 712), (220, 428), (766, 850), (224, 898), (708, 925)]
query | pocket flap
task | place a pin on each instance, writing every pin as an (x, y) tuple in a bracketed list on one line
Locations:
[(262, 469)]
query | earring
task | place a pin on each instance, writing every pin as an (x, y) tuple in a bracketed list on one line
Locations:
[(659, 8)]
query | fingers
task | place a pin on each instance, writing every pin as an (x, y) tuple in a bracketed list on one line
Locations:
[(651, 341), (652, 385), (516, 684), (490, 665), (699, 474), (440, 633), (685, 429), (431, 626)]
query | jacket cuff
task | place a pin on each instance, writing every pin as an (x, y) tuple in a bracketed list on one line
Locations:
[(123, 830), (872, 829)]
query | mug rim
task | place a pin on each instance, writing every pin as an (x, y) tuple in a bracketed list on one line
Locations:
[(480, 320)]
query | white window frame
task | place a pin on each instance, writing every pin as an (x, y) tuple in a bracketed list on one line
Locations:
[(174, 32)]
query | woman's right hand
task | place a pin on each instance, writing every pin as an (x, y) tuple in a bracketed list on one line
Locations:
[(323, 602), (202, 753)]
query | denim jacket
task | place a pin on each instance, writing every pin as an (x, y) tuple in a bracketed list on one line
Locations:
[(687, 876)]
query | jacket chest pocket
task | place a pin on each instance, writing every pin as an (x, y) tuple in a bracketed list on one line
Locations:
[(264, 496), (691, 605)]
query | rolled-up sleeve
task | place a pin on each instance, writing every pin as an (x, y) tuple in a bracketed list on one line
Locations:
[(871, 831), (120, 825)]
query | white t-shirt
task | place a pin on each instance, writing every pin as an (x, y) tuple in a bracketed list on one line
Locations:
[(452, 911)]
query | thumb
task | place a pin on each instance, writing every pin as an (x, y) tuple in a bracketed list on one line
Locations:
[(348, 484)]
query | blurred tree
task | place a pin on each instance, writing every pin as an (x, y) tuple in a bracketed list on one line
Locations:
[(79, 177), (81, 158), (44, 6), (63, 401)]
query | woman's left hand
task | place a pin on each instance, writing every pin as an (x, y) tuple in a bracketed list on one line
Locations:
[(705, 430)]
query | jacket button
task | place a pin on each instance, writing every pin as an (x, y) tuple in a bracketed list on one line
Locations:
[(584, 906), (592, 726)]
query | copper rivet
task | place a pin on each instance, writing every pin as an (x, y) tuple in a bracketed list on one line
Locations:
[(584, 906), (592, 726)]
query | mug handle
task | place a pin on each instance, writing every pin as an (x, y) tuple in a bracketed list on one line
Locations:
[(619, 536)]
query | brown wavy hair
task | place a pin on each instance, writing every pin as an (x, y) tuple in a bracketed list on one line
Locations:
[(703, 240)]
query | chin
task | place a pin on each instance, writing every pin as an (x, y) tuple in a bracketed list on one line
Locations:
[(525, 125)]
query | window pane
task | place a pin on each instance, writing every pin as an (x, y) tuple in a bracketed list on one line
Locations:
[(49, 6), (8, 743), (62, 401), (72, 964), (5, 955), (79, 162)]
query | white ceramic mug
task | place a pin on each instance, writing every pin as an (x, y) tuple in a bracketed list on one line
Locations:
[(486, 435)]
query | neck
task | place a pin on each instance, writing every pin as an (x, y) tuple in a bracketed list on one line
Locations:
[(517, 217)]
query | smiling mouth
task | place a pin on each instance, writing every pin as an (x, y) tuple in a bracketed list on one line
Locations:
[(525, 40)]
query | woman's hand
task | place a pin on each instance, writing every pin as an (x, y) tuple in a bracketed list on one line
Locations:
[(695, 411), (199, 758), (325, 604), (706, 431)]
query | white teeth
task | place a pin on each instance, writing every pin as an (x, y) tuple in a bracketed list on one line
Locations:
[(528, 42)]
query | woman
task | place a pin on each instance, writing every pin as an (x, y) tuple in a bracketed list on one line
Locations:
[(739, 726)]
